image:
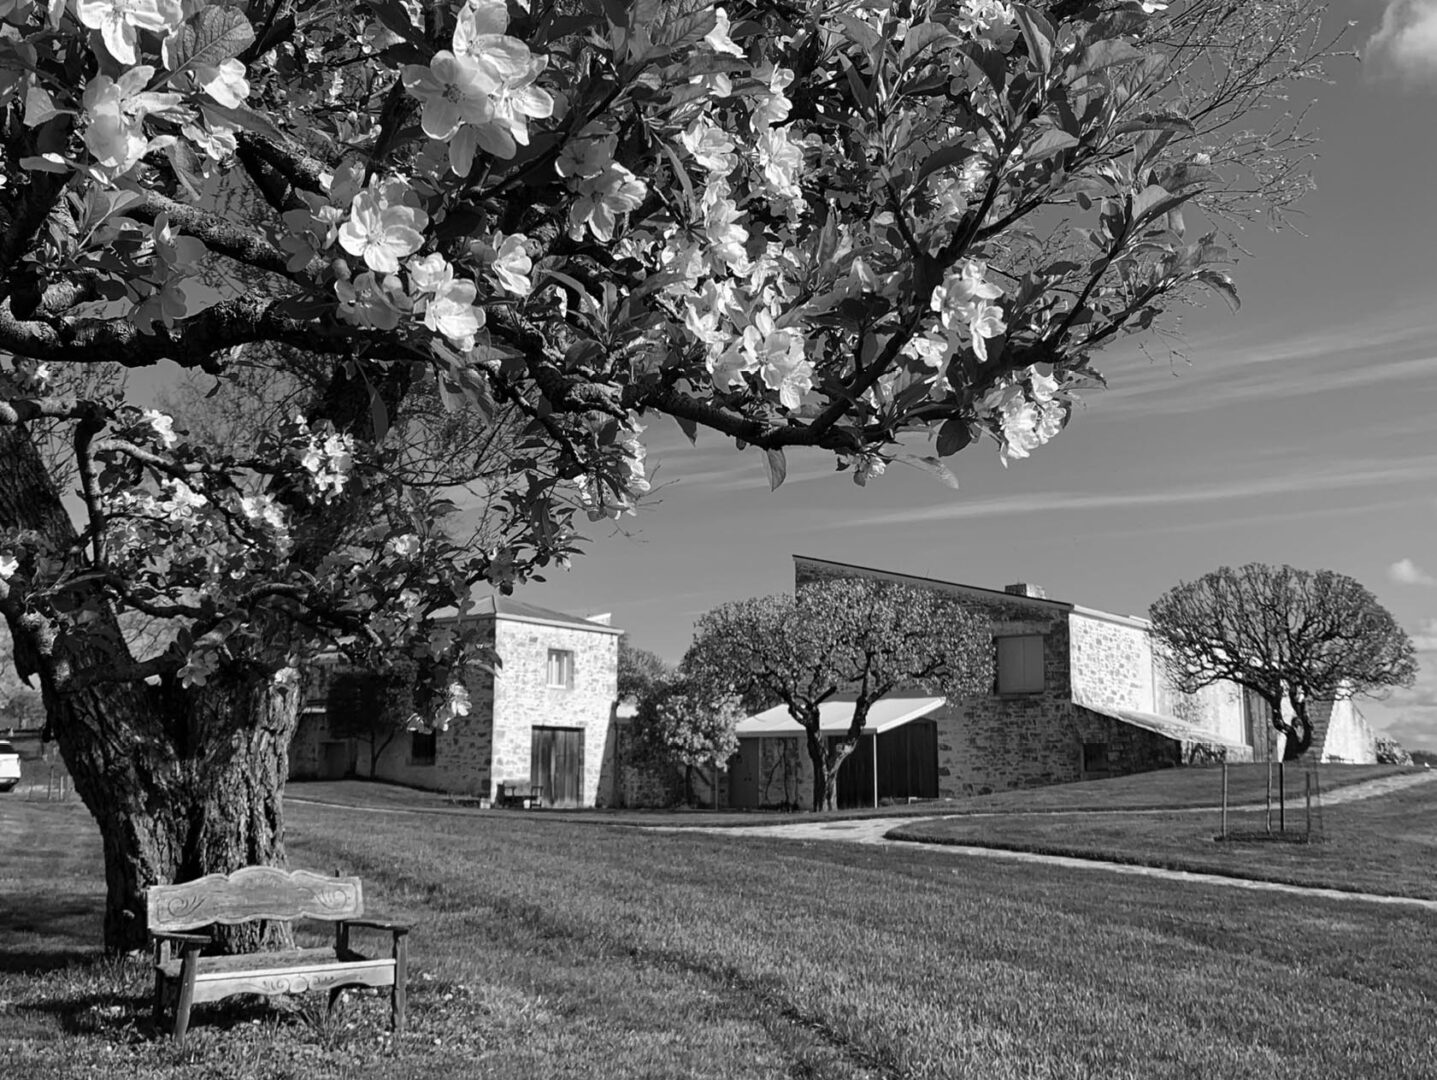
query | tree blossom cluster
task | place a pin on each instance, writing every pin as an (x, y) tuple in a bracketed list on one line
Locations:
[(792, 229)]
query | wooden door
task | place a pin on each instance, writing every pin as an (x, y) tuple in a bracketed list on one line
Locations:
[(855, 775), (557, 765)]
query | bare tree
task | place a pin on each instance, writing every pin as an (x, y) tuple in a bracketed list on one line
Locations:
[(1290, 636)]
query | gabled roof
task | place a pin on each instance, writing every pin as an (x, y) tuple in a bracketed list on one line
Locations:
[(835, 714), (506, 607), (981, 591)]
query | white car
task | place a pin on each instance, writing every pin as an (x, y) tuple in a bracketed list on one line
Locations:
[(9, 766)]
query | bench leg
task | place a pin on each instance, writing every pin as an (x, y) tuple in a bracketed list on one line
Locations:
[(186, 996), (397, 999), (334, 996), (159, 999)]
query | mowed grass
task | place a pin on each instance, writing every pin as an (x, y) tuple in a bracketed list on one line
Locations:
[(1386, 844), (1166, 789), (545, 948), (1175, 789)]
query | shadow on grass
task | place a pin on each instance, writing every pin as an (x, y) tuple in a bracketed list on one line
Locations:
[(41, 936)]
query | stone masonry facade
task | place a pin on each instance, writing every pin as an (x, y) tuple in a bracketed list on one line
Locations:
[(495, 741), (523, 700), (1001, 741)]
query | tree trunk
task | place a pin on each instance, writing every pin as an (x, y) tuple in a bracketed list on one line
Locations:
[(200, 794), (181, 782), (822, 781), (837, 755), (1298, 732)]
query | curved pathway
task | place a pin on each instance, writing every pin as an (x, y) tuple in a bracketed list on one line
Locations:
[(875, 831)]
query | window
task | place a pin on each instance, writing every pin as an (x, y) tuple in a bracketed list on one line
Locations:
[(561, 668), (1095, 757), (1020, 664), (421, 747)]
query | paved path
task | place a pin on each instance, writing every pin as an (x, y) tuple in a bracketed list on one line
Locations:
[(875, 830)]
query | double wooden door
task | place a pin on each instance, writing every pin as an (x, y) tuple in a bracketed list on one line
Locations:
[(557, 765)]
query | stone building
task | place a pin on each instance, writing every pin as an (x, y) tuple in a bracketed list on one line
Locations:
[(1077, 694), (546, 717)]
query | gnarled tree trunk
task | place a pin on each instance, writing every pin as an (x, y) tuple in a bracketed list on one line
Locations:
[(181, 782), (181, 785)]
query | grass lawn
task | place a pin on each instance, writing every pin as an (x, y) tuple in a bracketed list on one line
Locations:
[(1383, 845), (543, 949), (1166, 789)]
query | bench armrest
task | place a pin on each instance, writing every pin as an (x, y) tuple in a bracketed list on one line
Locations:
[(397, 929), (180, 939)]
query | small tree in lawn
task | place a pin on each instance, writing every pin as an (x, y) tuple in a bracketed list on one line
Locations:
[(684, 722), (1290, 636), (858, 637)]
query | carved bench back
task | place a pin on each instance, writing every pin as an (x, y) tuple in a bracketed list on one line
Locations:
[(251, 894)]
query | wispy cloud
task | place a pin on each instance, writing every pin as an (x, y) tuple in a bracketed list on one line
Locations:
[(1315, 477), (1407, 572), (1293, 367), (1228, 521), (1405, 45)]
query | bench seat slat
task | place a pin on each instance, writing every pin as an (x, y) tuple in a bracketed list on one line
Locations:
[(220, 985), (218, 966)]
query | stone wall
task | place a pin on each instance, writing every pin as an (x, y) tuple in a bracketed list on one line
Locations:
[(1112, 663), (523, 699), (494, 742), (1341, 734), (1218, 708), (998, 741)]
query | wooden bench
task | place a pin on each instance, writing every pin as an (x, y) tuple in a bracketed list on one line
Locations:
[(520, 793), (269, 893)]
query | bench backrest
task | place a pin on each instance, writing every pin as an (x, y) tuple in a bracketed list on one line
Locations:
[(251, 894)]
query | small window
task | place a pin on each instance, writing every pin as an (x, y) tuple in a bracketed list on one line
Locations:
[(1095, 757), (561, 668), (1020, 664), (421, 747)]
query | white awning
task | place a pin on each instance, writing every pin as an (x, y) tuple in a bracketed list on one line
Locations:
[(1170, 726), (835, 714)]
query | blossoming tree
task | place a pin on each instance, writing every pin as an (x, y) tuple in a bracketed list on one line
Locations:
[(846, 224), (838, 640)]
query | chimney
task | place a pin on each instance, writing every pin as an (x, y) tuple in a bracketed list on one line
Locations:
[(1022, 588), (605, 618)]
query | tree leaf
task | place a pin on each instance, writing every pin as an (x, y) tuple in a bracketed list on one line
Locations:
[(1049, 143), (987, 59), (209, 37), (942, 158), (684, 28), (860, 33), (1106, 54), (930, 465), (1173, 122), (1038, 33), (953, 436), (1221, 284), (40, 106), (254, 122), (920, 37), (1154, 201), (776, 467)]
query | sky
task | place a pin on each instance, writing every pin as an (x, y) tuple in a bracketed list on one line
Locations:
[(1301, 430)]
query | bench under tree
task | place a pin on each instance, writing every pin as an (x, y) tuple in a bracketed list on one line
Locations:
[(266, 893)]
